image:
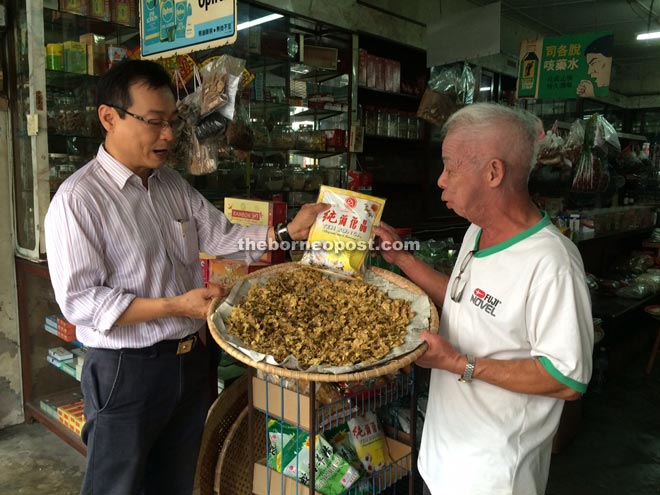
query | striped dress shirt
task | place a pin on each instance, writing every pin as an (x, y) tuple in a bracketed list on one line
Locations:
[(110, 239)]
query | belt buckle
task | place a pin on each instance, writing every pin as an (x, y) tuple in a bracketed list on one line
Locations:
[(185, 346)]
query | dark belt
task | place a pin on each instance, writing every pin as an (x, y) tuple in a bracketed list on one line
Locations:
[(181, 346)]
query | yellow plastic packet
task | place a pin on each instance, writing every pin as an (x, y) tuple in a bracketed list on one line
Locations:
[(340, 238)]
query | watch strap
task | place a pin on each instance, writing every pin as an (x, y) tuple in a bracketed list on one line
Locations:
[(466, 377)]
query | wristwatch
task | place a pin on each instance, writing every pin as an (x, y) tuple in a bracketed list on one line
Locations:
[(282, 233), (466, 377)]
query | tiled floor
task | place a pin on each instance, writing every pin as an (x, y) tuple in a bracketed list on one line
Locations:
[(617, 451)]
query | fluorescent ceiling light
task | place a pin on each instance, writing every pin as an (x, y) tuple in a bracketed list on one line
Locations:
[(649, 36), (485, 88), (256, 22)]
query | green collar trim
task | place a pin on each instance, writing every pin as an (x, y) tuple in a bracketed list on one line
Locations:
[(482, 253), (556, 374)]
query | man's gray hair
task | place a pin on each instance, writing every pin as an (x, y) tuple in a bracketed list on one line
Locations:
[(518, 127)]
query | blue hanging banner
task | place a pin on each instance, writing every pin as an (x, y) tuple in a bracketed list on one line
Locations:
[(169, 27)]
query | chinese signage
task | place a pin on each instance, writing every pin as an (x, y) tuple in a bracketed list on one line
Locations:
[(566, 66), (169, 27)]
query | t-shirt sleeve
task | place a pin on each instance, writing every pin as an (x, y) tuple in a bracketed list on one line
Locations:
[(560, 326)]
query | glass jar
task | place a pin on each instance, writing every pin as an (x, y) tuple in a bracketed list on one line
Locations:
[(55, 161), (270, 177), (392, 124), (402, 131), (381, 122), (294, 178), (313, 179), (370, 121), (282, 137), (261, 135)]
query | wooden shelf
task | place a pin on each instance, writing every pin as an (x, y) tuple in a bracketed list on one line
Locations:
[(33, 411)]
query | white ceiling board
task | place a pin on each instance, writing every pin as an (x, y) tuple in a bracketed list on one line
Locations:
[(464, 35)]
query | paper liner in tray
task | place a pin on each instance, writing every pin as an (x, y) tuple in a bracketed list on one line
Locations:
[(421, 305)]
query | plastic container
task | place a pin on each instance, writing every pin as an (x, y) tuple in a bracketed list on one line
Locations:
[(55, 56)]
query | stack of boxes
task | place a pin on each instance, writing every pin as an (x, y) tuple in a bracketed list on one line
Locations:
[(379, 73), (66, 407), (68, 360), (224, 271), (72, 416)]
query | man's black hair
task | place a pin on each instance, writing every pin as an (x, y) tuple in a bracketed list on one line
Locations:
[(601, 45), (113, 87)]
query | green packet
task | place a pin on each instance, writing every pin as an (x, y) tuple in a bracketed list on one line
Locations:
[(289, 455)]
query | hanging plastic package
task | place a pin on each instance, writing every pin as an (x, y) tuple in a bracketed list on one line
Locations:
[(221, 78), (200, 157)]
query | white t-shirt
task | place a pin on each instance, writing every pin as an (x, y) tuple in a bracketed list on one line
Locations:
[(524, 298)]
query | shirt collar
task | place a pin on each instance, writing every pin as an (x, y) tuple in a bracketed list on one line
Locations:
[(119, 172)]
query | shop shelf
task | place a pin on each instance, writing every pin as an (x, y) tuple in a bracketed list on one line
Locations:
[(33, 411), (56, 21), (68, 80), (293, 407), (381, 92), (266, 480)]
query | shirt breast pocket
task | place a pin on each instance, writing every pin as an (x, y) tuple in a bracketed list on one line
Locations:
[(184, 241)]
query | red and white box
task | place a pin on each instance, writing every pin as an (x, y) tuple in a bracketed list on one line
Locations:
[(254, 212)]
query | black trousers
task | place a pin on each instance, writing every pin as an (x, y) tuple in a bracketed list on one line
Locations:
[(145, 411)]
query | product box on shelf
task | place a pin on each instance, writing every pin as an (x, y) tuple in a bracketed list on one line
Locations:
[(371, 70), (50, 403), (75, 57), (100, 9), (115, 55), (72, 416), (96, 53), (225, 272), (335, 139), (379, 68), (125, 12), (80, 7), (65, 330), (60, 354), (254, 212), (362, 67), (360, 180)]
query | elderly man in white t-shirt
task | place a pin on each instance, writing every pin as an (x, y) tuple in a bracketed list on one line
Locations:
[(516, 333)]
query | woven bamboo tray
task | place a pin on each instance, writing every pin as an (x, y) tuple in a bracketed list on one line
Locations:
[(233, 472), (219, 420), (389, 367)]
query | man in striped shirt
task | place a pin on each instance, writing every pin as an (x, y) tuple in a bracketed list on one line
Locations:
[(123, 235)]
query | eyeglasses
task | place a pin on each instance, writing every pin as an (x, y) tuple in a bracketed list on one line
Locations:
[(176, 125), (458, 285)]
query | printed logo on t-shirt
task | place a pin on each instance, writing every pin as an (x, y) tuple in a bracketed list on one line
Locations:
[(484, 301)]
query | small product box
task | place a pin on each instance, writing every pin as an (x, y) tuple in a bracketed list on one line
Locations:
[(379, 65), (65, 330), (254, 212), (55, 56), (335, 139), (75, 57), (115, 55), (60, 354), (124, 12), (51, 403), (362, 67), (96, 53), (80, 7), (359, 180), (225, 272), (72, 416), (100, 9), (371, 70)]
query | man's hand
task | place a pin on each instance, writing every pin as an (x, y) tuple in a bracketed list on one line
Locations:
[(196, 303), (440, 355), (585, 88), (386, 236), (299, 227)]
